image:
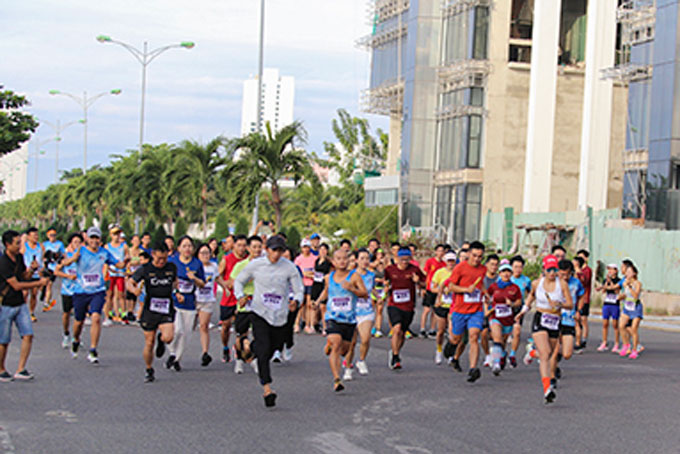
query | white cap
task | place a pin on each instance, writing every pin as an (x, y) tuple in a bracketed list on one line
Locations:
[(305, 243), (613, 265), (449, 256)]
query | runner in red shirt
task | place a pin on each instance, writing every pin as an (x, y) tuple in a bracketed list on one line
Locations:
[(505, 298), (432, 265), (585, 275), (402, 280), (228, 302), (467, 282)]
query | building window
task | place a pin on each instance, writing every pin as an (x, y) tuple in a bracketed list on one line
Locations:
[(467, 212), (443, 208), (466, 35), (380, 197), (460, 142)]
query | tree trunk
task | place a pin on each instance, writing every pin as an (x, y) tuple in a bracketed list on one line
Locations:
[(276, 202)]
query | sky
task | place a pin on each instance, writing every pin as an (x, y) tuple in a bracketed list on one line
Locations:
[(191, 94)]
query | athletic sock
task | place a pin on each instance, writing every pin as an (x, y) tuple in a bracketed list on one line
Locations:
[(546, 384), (512, 353), (496, 353), (439, 348)]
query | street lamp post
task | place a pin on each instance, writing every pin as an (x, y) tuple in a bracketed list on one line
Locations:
[(85, 103), (58, 128), (144, 57), (256, 209), (36, 154)]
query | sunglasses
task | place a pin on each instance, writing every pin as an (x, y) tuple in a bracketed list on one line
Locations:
[(551, 270)]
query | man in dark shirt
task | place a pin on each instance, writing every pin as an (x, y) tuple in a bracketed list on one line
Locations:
[(14, 279)]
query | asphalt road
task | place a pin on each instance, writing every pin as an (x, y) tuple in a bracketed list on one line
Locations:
[(604, 403)]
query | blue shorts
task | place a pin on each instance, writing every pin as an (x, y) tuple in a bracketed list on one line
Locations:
[(611, 311), (462, 322), (636, 313), (21, 317), (504, 329), (91, 303)]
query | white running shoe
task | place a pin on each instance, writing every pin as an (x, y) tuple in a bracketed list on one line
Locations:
[(238, 366), (253, 365), (287, 354), (438, 357), (93, 358), (487, 361), (106, 323), (527, 356), (65, 341), (88, 321), (362, 367), (277, 356), (347, 375)]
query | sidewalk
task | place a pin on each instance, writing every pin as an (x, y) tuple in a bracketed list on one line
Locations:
[(659, 322)]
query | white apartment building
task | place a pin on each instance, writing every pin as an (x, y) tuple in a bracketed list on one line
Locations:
[(13, 173), (278, 95)]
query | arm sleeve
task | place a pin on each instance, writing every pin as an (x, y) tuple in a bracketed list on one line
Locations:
[(296, 282)]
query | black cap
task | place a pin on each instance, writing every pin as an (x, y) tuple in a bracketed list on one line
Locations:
[(276, 242)]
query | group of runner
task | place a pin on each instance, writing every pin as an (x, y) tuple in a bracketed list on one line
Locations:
[(471, 297)]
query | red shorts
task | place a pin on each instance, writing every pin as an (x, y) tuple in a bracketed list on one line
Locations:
[(117, 282)]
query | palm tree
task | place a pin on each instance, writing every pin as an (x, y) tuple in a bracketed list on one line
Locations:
[(308, 202), (267, 159)]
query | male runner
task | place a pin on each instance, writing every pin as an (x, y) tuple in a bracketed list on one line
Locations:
[(68, 283), (524, 284), (54, 250), (432, 265), (585, 275), (489, 279), (33, 251), (228, 302)]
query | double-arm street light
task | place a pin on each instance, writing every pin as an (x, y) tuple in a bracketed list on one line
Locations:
[(85, 103), (144, 57), (58, 128)]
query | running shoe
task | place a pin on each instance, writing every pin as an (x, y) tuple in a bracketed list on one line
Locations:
[(160, 347), (513, 361), (456, 365), (640, 348), (253, 365), (92, 357), (205, 359), (615, 348), (238, 366), (487, 361), (378, 334), (309, 330), (473, 375), (549, 396), (373, 330), (390, 333), (396, 362), (423, 334), (270, 400), (5, 377), (337, 385), (503, 361), (74, 349), (170, 361), (625, 350), (558, 373), (633, 355), (88, 322), (362, 367), (496, 369), (408, 335), (432, 333), (34, 318), (176, 366), (527, 356), (131, 317), (24, 375), (277, 357), (106, 323), (287, 354), (48, 307), (578, 349), (390, 359), (602, 347), (149, 377), (347, 376), (438, 357), (65, 341), (553, 383), (226, 355)]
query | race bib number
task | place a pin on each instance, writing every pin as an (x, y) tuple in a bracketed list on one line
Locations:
[(401, 296), (91, 280), (318, 276), (473, 298), (364, 303), (272, 301), (160, 305), (205, 292), (629, 305), (447, 299), (550, 321), (340, 303), (610, 298), (503, 310), (380, 292), (185, 286)]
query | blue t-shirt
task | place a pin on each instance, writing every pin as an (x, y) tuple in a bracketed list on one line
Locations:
[(56, 247), (67, 285), (341, 306), (145, 249), (119, 253), (185, 285), (364, 305), (576, 290), (90, 270), (31, 254), (524, 284)]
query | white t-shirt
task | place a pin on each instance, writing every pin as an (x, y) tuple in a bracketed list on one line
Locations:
[(207, 294)]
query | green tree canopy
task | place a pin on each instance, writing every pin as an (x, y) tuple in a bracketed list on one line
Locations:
[(16, 127)]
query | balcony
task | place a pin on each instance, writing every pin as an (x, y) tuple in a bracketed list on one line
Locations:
[(387, 99)]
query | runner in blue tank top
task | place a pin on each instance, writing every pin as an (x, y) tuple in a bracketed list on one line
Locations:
[(341, 290), (365, 316), (54, 251), (33, 251)]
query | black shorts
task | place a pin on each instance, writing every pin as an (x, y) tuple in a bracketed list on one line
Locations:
[(485, 323), (345, 330), (130, 296), (66, 303), (585, 311), (52, 277), (399, 317), (227, 312), (442, 312), (242, 323), (515, 311), (536, 326), (150, 321), (567, 330), (308, 290), (429, 299)]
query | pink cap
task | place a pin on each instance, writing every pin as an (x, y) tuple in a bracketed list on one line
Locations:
[(550, 261)]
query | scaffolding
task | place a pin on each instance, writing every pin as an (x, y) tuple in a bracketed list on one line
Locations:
[(637, 19), (387, 99), (462, 74), (379, 11), (380, 38), (460, 110), (453, 7)]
